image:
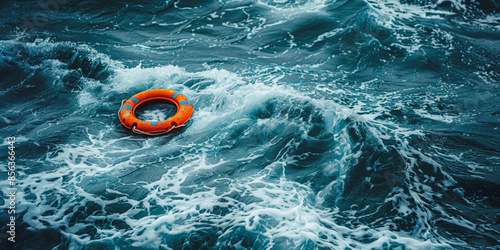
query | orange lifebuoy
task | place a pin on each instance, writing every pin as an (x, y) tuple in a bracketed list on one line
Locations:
[(127, 112)]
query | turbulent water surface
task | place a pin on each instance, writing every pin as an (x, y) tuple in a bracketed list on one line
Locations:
[(318, 124)]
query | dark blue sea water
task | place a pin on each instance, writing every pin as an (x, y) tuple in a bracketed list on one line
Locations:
[(318, 124)]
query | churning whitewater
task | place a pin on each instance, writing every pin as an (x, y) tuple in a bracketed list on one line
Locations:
[(317, 124)]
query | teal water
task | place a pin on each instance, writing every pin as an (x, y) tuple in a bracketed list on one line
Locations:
[(363, 124)]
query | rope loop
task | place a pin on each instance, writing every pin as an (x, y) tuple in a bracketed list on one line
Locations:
[(137, 131)]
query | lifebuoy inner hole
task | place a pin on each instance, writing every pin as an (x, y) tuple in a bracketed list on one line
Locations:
[(156, 110)]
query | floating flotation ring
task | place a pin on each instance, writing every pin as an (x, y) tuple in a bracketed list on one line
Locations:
[(127, 112)]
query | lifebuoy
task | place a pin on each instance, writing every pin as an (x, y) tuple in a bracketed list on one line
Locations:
[(129, 120)]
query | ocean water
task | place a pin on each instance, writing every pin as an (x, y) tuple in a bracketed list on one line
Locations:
[(318, 124)]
